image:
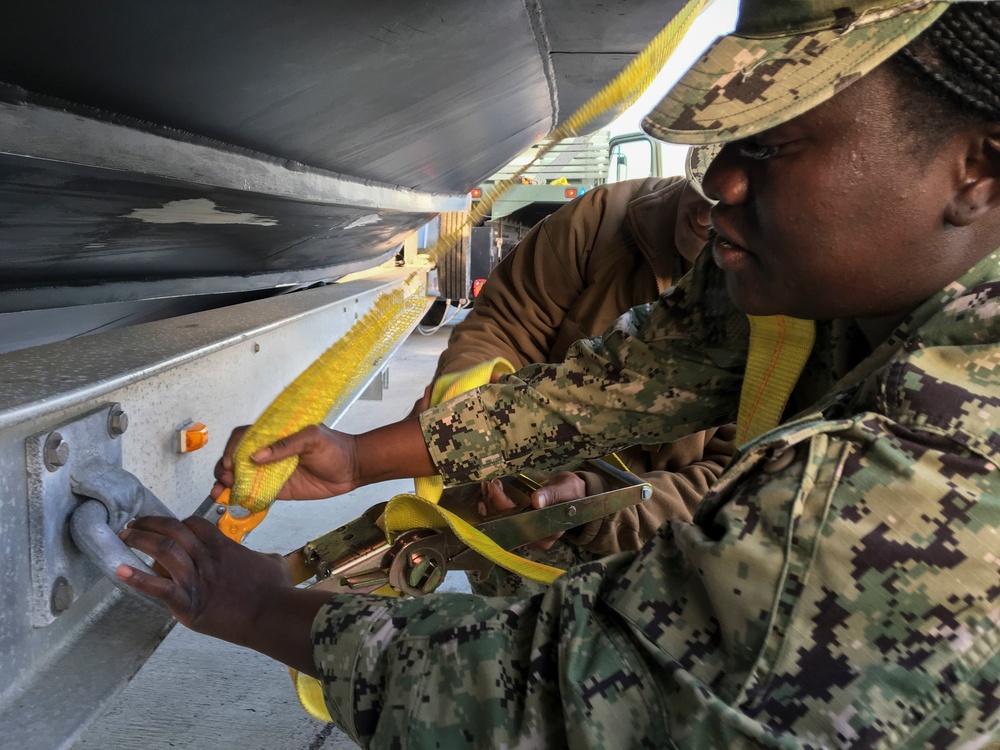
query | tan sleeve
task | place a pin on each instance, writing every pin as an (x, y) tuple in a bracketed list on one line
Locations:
[(521, 308), (686, 470)]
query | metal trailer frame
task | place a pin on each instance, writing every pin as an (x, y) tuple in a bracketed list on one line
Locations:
[(69, 640)]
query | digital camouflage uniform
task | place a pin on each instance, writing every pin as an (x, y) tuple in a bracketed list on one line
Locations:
[(839, 586), (569, 279)]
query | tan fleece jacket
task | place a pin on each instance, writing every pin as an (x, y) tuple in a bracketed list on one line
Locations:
[(570, 278)]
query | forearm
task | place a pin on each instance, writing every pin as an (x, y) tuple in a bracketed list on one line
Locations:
[(395, 451), (458, 671), (283, 629)]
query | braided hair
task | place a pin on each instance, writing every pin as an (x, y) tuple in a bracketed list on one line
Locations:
[(951, 72)]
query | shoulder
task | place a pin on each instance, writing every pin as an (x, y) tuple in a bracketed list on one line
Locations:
[(650, 189), (946, 377), (617, 197)]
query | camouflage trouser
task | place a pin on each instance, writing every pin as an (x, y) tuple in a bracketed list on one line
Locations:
[(500, 582)]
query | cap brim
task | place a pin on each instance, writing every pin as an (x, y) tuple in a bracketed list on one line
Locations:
[(742, 85)]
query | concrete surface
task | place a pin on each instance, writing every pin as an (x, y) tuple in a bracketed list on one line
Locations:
[(201, 694)]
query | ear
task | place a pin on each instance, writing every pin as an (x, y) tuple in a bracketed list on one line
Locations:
[(979, 189)]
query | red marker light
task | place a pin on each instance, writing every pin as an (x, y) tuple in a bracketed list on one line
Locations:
[(571, 192), (476, 193)]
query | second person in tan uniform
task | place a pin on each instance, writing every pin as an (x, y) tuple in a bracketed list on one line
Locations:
[(615, 247)]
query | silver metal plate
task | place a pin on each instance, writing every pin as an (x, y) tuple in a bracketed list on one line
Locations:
[(61, 573)]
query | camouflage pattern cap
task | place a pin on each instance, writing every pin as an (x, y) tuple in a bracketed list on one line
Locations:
[(696, 164), (783, 59)]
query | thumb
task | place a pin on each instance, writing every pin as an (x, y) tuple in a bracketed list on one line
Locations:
[(561, 488), (293, 445)]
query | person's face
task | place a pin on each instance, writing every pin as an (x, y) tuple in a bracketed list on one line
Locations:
[(693, 223), (834, 214)]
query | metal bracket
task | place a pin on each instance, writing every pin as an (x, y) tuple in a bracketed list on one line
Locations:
[(60, 572), (86, 449)]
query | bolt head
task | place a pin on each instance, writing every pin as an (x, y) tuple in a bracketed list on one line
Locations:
[(56, 452), (117, 421)]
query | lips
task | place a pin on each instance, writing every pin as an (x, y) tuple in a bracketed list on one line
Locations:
[(728, 253)]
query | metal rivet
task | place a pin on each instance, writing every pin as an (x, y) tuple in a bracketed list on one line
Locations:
[(571, 511), (117, 421), (62, 595), (56, 452)]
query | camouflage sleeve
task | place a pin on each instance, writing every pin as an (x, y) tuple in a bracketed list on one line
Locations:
[(458, 671), (659, 373)]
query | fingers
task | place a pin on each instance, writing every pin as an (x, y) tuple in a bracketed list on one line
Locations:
[(174, 548), (292, 445), (224, 466), (168, 541), (165, 589), (206, 531), (559, 488), (495, 500)]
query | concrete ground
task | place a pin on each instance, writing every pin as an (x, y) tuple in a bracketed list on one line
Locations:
[(198, 693)]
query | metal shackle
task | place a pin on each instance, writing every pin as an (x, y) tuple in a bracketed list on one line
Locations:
[(113, 497)]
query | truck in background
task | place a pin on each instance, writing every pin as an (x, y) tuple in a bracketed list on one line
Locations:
[(571, 169)]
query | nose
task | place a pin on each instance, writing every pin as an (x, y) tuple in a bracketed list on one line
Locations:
[(726, 180)]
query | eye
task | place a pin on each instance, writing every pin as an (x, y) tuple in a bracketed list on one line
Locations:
[(754, 149)]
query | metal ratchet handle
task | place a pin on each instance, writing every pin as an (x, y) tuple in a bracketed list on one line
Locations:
[(624, 478), (522, 526)]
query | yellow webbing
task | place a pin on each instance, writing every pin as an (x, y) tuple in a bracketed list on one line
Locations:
[(779, 348), (335, 376)]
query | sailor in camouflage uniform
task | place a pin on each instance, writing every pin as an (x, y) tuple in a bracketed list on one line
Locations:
[(840, 586)]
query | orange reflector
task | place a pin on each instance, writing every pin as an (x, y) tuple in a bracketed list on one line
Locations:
[(477, 286), (191, 437), (571, 192), (476, 193)]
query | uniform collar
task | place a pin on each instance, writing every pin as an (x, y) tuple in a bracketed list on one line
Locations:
[(652, 221)]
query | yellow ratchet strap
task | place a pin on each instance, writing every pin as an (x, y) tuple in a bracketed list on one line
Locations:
[(779, 348), (421, 510)]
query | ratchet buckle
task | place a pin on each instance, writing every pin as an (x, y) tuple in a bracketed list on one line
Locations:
[(357, 558)]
